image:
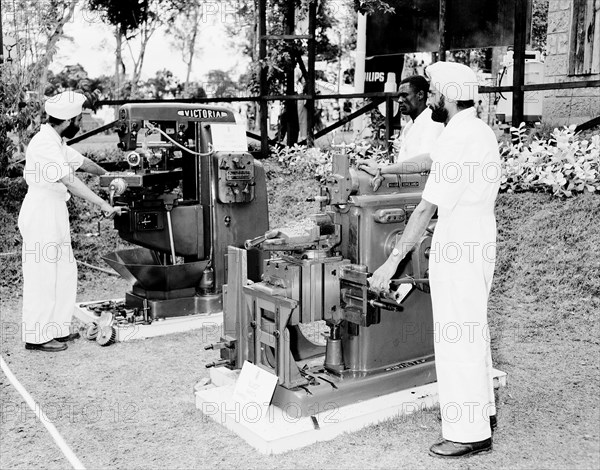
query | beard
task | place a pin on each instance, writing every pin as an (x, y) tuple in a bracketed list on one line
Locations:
[(438, 112), (71, 131)]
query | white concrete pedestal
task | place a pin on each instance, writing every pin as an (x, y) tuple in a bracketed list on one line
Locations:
[(272, 430)]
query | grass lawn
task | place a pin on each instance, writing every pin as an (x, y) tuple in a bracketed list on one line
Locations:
[(131, 405)]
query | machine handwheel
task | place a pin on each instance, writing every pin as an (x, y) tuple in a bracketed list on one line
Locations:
[(106, 335), (91, 331)]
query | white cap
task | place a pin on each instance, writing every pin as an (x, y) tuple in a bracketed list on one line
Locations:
[(65, 105), (453, 80)]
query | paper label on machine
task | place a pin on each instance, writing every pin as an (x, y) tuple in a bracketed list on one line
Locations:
[(254, 386), (401, 293), (229, 137)]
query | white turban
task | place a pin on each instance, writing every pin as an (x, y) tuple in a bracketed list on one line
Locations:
[(453, 80), (65, 105)]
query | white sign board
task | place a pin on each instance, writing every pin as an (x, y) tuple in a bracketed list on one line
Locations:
[(254, 386), (228, 138)]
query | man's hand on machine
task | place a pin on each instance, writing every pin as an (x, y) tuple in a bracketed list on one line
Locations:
[(368, 166), (110, 212), (380, 280)]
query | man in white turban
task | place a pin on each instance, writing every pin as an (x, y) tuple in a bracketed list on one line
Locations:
[(49, 268), (462, 187)]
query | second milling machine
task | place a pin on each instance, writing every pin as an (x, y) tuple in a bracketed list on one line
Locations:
[(191, 190), (317, 272)]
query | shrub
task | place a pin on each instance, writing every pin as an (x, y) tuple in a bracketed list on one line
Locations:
[(562, 164), (317, 161)]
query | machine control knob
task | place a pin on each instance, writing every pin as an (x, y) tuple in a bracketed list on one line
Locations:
[(134, 159), (237, 163), (117, 186)]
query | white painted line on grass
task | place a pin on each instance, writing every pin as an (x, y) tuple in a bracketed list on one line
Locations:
[(60, 442)]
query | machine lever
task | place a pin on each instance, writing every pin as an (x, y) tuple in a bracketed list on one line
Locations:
[(319, 199), (220, 345), (222, 362), (386, 305), (260, 239), (171, 242), (378, 303), (409, 280), (328, 381)]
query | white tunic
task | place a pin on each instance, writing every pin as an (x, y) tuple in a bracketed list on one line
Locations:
[(463, 183), (418, 136), (49, 268)]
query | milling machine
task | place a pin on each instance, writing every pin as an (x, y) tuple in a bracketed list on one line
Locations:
[(375, 344), (191, 190)]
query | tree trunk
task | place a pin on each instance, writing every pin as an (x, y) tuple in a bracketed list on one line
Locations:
[(147, 31), (192, 45), (53, 39), (291, 106), (119, 64)]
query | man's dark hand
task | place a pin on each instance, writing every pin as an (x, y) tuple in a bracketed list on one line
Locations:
[(368, 166)]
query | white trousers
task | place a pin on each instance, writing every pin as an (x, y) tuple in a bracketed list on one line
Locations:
[(49, 267), (460, 284)]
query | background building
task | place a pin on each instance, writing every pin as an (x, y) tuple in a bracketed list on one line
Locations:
[(573, 54)]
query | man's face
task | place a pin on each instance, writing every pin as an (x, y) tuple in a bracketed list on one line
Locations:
[(436, 102), (73, 128), (408, 99)]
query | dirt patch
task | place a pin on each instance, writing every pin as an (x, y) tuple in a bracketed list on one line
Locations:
[(131, 405)]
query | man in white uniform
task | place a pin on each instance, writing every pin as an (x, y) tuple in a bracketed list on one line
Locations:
[(462, 186), (417, 137), (49, 268)]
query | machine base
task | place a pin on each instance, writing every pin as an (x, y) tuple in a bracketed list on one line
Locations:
[(276, 430), (331, 391), (178, 307), (212, 322)]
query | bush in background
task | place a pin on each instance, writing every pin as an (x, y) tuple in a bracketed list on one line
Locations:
[(562, 164), (316, 162)]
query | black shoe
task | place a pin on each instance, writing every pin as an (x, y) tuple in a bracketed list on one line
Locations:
[(71, 337), (50, 346), (451, 449)]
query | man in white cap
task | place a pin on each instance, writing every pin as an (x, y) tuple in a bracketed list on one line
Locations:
[(418, 136), (49, 268), (462, 187)]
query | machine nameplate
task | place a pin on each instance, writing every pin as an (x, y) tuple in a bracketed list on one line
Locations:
[(213, 115), (148, 221), (410, 184), (404, 365), (236, 175)]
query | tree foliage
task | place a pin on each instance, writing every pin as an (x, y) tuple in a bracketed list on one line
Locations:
[(371, 6), (539, 25), (163, 85), (127, 15), (185, 31), (31, 30), (220, 84), (135, 20)]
